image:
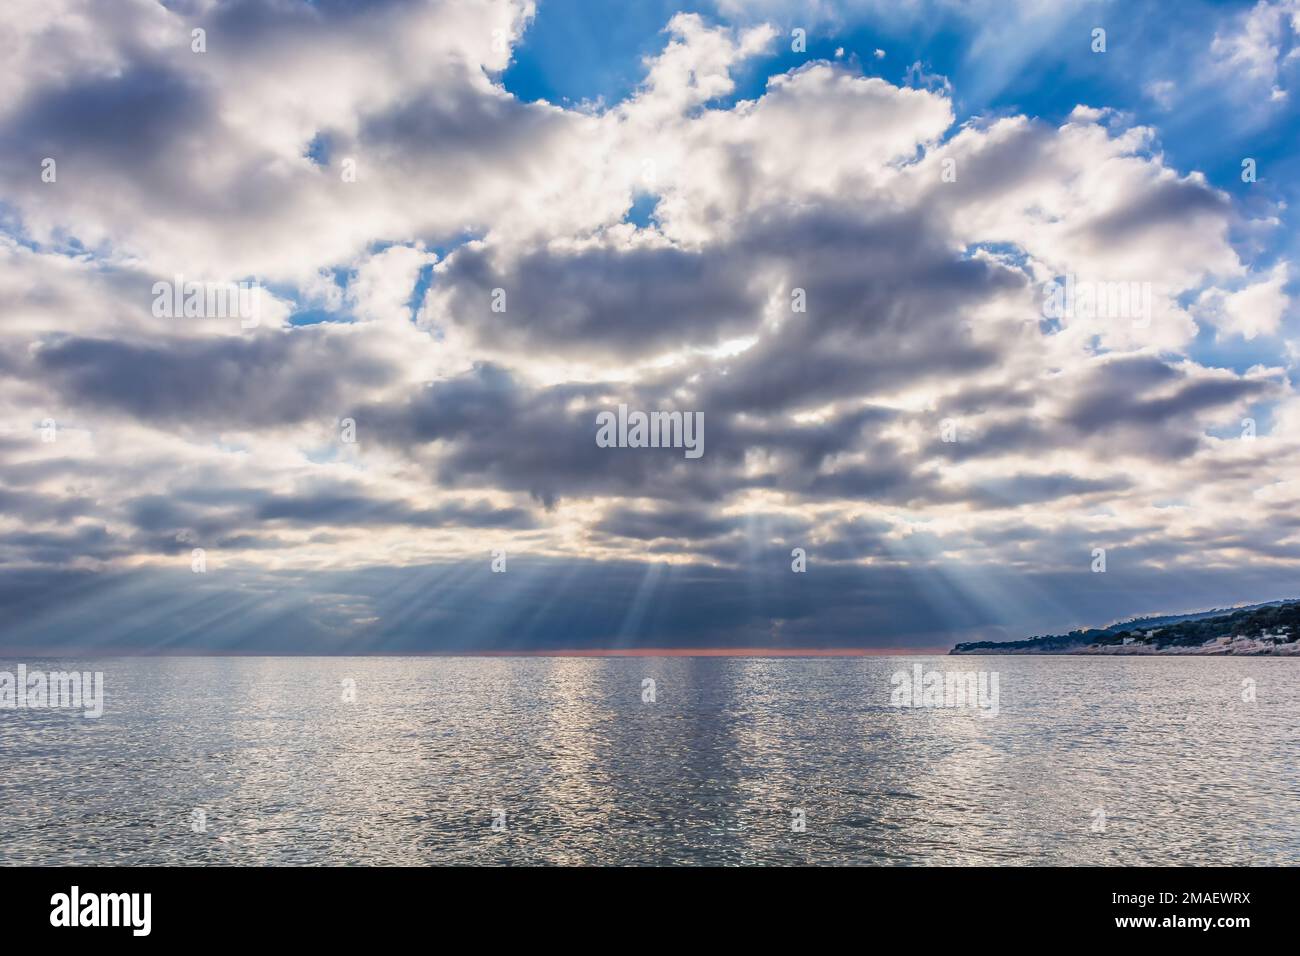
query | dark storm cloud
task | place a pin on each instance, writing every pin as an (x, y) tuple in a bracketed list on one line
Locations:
[(868, 278), (61, 547), (457, 126), (35, 507), (788, 372), (21, 472), (183, 543), (82, 124), (995, 167), (233, 518), (259, 21), (1016, 490), (267, 379), (332, 505), (982, 398), (1106, 404), (602, 299), (1176, 202), (889, 482), (1001, 438), (693, 523), (799, 457), (139, 132), (1288, 551), (491, 429), (154, 513), (1141, 405), (451, 408), (886, 299), (852, 540), (345, 510)]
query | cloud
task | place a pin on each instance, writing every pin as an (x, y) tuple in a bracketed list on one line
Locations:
[(845, 281), (1249, 52), (278, 377), (1255, 309)]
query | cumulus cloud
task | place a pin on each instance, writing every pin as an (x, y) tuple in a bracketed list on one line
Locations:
[(1255, 309)]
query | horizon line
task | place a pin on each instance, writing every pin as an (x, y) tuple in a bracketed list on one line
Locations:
[(753, 652)]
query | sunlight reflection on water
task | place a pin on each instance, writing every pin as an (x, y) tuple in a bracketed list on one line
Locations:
[(287, 773)]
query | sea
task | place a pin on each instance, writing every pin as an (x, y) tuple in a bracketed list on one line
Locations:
[(658, 761)]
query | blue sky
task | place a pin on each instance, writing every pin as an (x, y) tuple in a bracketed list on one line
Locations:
[(573, 54)]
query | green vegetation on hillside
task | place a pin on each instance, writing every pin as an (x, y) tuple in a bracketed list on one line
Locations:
[(1188, 630)]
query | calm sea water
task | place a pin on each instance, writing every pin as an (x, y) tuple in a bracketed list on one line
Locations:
[(286, 772)]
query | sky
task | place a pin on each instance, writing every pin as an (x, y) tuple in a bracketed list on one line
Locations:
[(309, 312)]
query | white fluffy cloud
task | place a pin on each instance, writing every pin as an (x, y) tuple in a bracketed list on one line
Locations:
[(1252, 53), (1254, 309)]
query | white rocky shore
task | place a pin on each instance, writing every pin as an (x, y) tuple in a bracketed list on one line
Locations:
[(1223, 646)]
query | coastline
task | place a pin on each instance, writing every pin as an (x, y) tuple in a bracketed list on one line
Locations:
[(1235, 647)]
